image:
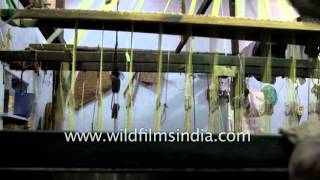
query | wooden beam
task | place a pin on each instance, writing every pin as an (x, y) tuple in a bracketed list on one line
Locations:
[(143, 56), (146, 61), (205, 26)]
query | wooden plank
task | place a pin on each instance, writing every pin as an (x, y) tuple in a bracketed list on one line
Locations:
[(146, 61), (178, 24), (151, 67), (145, 56)]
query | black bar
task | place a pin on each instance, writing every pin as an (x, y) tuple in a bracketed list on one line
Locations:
[(50, 151)]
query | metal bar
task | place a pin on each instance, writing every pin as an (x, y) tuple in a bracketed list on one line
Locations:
[(206, 26), (203, 8)]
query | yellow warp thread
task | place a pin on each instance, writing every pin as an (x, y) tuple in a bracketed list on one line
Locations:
[(292, 120), (240, 8), (213, 95), (263, 9), (216, 7), (61, 95), (73, 80), (192, 7), (139, 6), (188, 98), (267, 74), (82, 94), (239, 91), (129, 92), (100, 95), (265, 120), (159, 84)]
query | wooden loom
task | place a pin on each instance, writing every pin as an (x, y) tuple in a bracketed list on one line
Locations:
[(212, 158)]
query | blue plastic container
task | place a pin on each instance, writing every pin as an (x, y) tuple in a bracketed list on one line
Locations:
[(23, 104)]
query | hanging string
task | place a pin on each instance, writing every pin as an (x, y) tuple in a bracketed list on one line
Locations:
[(159, 83), (100, 95), (292, 94), (239, 92), (165, 106), (129, 92), (191, 12), (213, 87), (213, 98), (265, 120), (73, 79), (194, 101), (82, 93), (95, 103), (115, 84), (188, 98), (267, 74), (164, 113), (9, 36)]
